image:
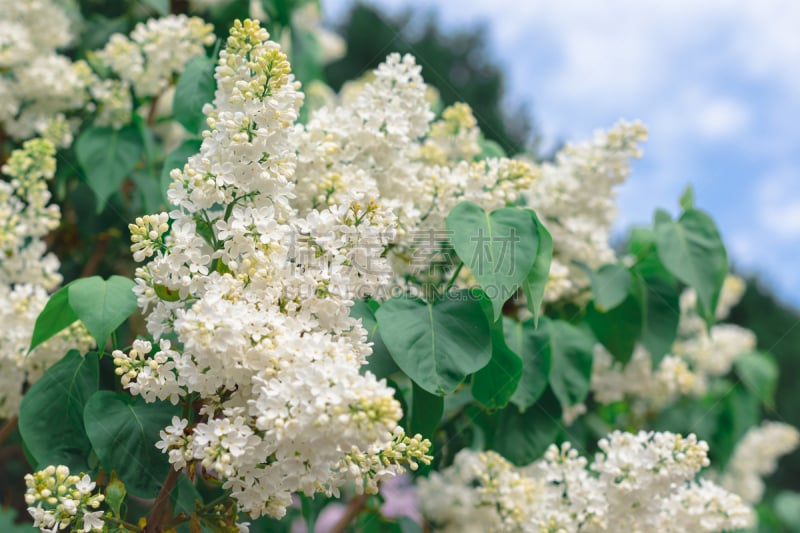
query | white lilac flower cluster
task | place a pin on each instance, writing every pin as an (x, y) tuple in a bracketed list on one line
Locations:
[(248, 298), (58, 501), (637, 482), (38, 86), (27, 272), (379, 142), (42, 91), (696, 357), (575, 200), (756, 456), (146, 63)]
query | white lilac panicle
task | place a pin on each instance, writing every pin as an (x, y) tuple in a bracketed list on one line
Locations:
[(257, 296), (156, 52), (380, 143), (38, 85), (575, 200), (641, 482), (28, 273), (58, 501), (756, 456), (696, 357)]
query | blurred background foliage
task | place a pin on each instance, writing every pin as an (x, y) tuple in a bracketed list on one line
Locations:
[(457, 63)]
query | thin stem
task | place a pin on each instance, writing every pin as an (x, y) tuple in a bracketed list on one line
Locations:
[(354, 509), (127, 525), (151, 113), (154, 518), (453, 278), (8, 428)]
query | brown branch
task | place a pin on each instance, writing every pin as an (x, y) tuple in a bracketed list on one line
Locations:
[(155, 516), (354, 509), (8, 428), (151, 113), (91, 266), (3, 138), (176, 7)]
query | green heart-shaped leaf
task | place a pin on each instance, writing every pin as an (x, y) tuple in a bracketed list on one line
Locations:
[(123, 432), (498, 247), (436, 344)]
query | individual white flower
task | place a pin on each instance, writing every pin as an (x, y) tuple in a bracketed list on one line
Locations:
[(93, 521)]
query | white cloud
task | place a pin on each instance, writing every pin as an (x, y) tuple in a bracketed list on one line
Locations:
[(778, 205), (722, 119)]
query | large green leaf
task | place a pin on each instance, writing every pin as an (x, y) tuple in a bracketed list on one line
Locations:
[(102, 305), (123, 432), (380, 362), (494, 384), (617, 329), (759, 373), (787, 507), (533, 347), (7, 524), (660, 311), (643, 245), (161, 7), (641, 242), (740, 412), (610, 285), (51, 414), (436, 345), (571, 358), (194, 89), (148, 188), (426, 411), (185, 496), (537, 277), (692, 250), (489, 148), (306, 54), (498, 247), (106, 157), (522, 437), (56, 315)]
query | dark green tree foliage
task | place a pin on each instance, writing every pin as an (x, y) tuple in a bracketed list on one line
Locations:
[(456, 63), (777, 327)]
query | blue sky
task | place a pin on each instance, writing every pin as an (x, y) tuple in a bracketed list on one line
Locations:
[(716, 82)]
